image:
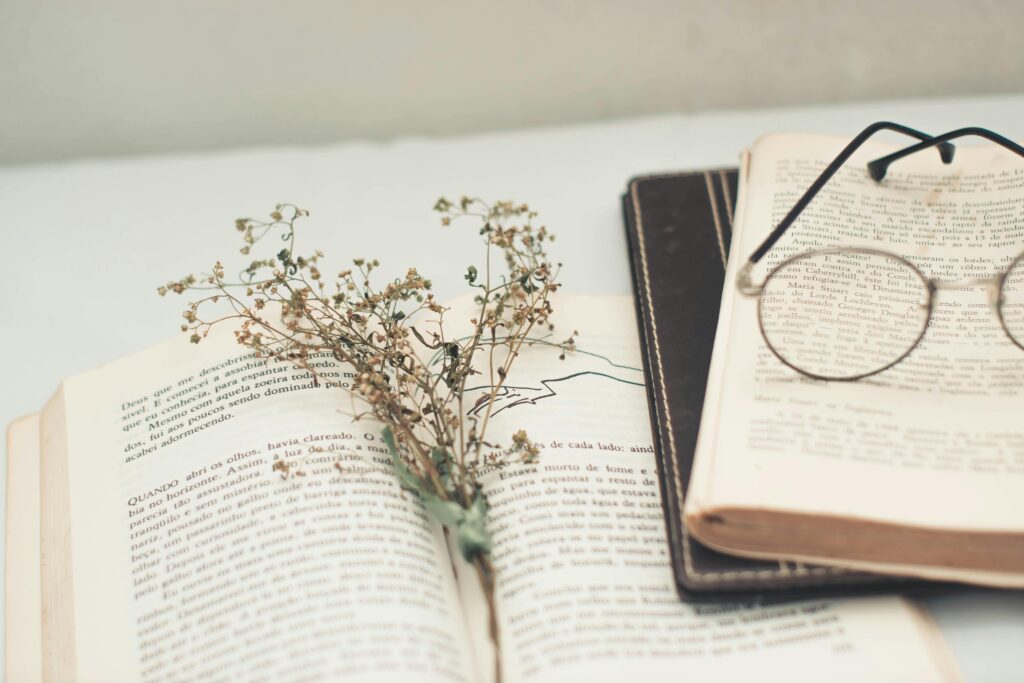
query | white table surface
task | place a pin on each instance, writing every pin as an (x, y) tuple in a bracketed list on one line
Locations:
[(86, 243)]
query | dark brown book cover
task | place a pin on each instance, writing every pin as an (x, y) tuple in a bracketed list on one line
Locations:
[(679, 228)]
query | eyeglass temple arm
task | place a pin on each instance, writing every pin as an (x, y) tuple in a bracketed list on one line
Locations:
[(879, 167), (946, 151)]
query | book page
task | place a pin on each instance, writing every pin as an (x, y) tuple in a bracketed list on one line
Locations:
[(935, 441), (585, 588), (193, 559), (23, 598)]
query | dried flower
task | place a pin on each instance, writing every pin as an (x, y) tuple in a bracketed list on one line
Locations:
[(382, 331)]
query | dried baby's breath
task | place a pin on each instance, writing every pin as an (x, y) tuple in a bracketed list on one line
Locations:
[(410, 372)]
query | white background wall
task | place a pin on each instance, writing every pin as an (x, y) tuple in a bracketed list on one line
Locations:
[(113, 77)]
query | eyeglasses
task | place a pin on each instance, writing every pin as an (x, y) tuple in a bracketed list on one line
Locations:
[(846, 313)]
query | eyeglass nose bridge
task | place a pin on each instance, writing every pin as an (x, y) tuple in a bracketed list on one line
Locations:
[(992, 285), (745, 284)]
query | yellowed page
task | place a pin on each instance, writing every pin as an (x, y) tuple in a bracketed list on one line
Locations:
[(585, 585), (23, 621), (201, 563), (932, 573), (934, 442), (56, 569)]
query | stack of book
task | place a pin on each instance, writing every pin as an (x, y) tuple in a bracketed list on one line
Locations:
[(778, 484)]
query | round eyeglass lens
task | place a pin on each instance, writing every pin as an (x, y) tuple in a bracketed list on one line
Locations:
[(1011, 301), (844, 314)]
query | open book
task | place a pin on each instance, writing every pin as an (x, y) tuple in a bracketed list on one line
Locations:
[(171, 550), (918, 470)]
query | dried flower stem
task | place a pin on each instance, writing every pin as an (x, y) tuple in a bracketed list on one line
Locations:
[(485, 574)]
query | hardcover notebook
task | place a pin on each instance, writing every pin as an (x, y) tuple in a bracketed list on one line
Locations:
[(679, 229)]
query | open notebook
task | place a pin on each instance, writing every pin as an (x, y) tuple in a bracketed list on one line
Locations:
[(171, 550)]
